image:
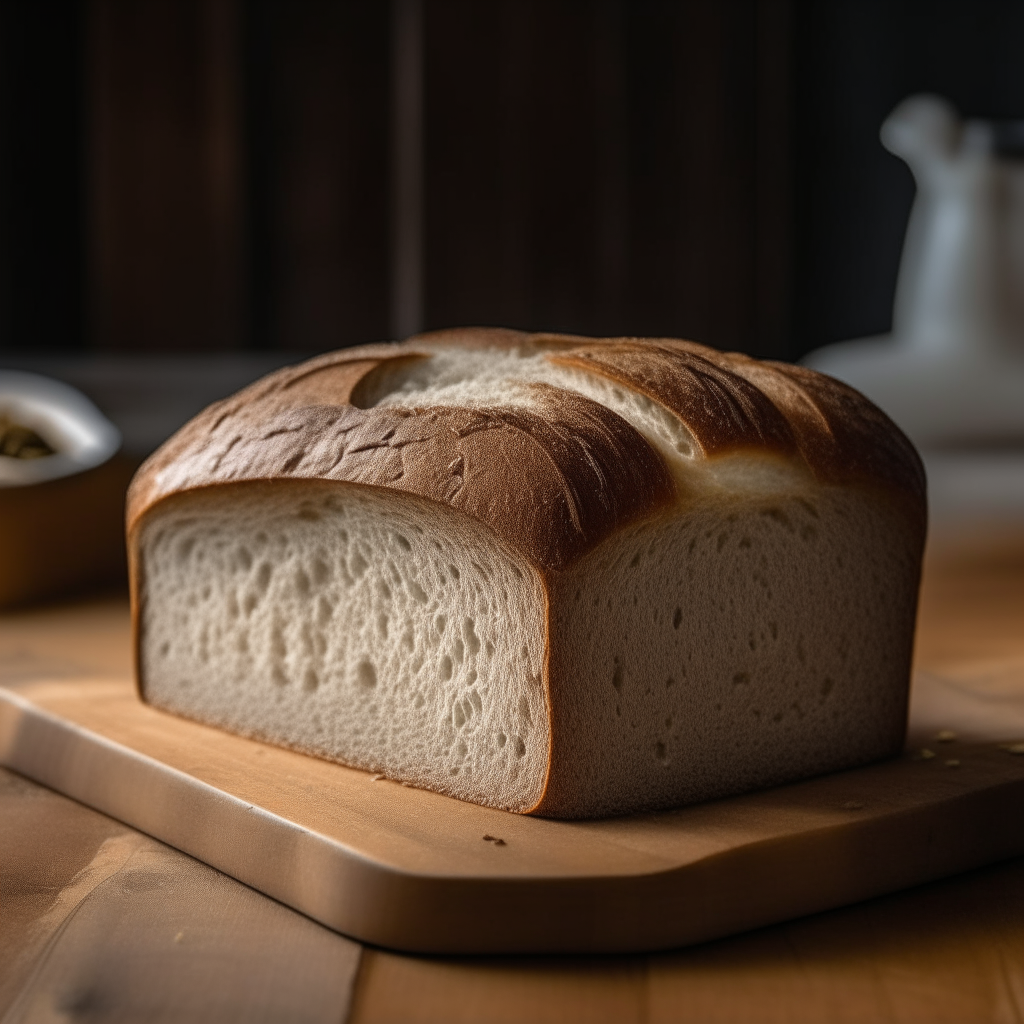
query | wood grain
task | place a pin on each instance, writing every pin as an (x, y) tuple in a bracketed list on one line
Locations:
[(117, 926), (972, 599)]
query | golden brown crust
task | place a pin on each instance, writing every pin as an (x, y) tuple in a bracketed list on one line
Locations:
[(552, 482)]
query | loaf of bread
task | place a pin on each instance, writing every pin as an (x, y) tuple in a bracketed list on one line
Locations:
[(556, 575)]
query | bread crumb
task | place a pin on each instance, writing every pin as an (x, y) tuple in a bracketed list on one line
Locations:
[(377, 778), (495, 840), (946, 736), (853, 805), (179, 936), (925, 754), (952, 763), (1014, 748)]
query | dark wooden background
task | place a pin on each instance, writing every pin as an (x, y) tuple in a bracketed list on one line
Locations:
[(204, 175)]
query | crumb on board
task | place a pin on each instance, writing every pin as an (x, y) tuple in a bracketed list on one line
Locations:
[(952, 763), (179, 936), (377, 778), (853, 805), (495, 840), (946, 736), (1013, 748), (924, 754)]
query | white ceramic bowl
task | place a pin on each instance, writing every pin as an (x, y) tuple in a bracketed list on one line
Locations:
[(81, 436)]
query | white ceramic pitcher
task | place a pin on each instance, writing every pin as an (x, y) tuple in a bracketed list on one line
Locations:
[(961, 280)]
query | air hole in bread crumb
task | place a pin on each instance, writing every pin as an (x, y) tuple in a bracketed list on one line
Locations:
[(519, 747), (358, 565), (366, 674), (741, 679), (677, 618), (310, 681), (459, 650), (418, 593), (469, 632), (382, 625), (445, 669), (458, 715), (826, 686), (502, 740), (185, 549), (277, 674), (403, 542), (454, 572), (660, 752), (302, 583)]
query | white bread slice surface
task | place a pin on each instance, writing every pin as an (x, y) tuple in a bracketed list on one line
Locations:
[(544, 573)]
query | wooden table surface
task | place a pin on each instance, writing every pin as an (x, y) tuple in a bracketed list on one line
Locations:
[(101, 923)]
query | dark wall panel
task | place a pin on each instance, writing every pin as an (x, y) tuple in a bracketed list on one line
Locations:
[(319, 150), (42, 182), (167, 174), (605, 168)]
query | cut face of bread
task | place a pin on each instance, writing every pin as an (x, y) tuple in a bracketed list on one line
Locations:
[(344, 623), (546, 574)]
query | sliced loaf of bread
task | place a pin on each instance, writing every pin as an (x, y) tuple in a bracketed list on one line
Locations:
[(551, 574)]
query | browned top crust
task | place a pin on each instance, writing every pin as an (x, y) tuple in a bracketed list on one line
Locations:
[(552, 481)]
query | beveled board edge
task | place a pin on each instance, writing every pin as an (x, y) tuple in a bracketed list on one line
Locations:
[(750, 886)]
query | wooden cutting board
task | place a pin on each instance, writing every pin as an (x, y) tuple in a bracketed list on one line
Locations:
[(411, 870)]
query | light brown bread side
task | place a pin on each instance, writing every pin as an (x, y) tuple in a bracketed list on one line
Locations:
[(555, 574)]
